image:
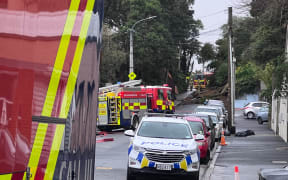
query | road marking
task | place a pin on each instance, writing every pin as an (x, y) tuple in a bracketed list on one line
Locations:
[(281, 148), (104, 168), (279, 162)]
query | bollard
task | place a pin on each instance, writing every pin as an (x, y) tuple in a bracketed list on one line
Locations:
[(236, 171)]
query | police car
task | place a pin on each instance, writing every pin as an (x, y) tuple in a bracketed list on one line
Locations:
[(163, 145)]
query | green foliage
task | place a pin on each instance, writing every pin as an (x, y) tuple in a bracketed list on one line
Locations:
[(246, 81), (221, 75), (206, 53), (159, 43)]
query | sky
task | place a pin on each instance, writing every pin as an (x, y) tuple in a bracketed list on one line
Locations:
[(213, 14)]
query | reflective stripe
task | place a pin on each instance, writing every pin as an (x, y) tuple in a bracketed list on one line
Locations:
[(176, 166), (52, 88), (136, 104), (143, 107), (6, 176), (54, 151), (144, 162), (69, 90), (36, 149), (183, 164), (151, 164), (159, 102), (163, 107)]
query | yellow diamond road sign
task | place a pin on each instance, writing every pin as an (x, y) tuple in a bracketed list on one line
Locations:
[(132, 75)]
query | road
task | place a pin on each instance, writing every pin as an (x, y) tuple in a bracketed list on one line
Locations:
[(111, 157)]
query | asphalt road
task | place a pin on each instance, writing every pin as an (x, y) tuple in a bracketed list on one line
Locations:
[(111, 157)]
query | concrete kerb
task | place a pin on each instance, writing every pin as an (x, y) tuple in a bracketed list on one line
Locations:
[(210, 169)]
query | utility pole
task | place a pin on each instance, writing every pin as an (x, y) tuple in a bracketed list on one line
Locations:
[(231, 75), (286, 49)]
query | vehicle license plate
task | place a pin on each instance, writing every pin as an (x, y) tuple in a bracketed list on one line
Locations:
[(164, 167)]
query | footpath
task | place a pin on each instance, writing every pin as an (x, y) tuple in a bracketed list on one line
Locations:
[(262, 150)]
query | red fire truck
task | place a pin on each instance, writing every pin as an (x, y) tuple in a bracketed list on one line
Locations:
[(159, 99), (124, 107), (49, 71)]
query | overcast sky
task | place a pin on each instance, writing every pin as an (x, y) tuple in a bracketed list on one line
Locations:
[(213, 14)]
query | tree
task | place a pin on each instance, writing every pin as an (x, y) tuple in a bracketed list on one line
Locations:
[(159, 44), (206, 54)]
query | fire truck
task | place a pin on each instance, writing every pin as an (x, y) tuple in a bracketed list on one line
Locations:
[(200, 80), (49, 72), (159, 98), (124, 106)]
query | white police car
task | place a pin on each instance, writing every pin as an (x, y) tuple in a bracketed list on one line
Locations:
[(163, 145)]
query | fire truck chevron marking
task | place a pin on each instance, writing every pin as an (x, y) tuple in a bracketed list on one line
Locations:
[(69, 91), (52, 88)]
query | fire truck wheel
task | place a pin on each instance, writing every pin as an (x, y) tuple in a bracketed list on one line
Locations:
[(135, 123)]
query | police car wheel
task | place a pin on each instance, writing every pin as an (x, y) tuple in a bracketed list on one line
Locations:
[(130, 175)]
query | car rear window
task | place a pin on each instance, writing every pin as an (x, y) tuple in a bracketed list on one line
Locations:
[(166, 130), (205, 118), (214, 119), (197, 127)]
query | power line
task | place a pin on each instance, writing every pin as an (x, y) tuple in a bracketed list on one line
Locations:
[(212, 14)]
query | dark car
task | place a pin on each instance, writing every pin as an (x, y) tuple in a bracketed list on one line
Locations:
[(210, 126)]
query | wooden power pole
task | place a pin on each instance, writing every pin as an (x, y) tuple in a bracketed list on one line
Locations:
[(231, 75)]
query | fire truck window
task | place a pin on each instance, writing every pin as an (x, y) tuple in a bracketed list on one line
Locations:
[(160, 94), (169, 95)]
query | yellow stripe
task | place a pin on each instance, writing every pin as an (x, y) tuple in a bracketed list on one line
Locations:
[(6, 176), (183, 164), (136, 104), (144, 162), (69, 91), (52, 88), (143, 107)]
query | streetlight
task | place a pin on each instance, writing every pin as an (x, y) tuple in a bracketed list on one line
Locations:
[(131, 68)]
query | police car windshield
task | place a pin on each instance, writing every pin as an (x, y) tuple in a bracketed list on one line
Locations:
[(167, 130)]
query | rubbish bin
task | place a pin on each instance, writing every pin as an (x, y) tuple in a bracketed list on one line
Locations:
[(273, 174)]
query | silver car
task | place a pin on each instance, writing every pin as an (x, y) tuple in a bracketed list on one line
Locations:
[(217, 122), (251, 109), (262, 115)]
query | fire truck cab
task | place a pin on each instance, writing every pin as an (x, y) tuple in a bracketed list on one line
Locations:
[(159, 99)]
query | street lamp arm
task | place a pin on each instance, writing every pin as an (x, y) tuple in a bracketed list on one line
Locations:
[(151, 17)]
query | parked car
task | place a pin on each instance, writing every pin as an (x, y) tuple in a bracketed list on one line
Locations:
[(217, 123), (198, 126), (251, 109), (215, 109), (262, 115), (163, 145), (209, 125), (223, 113)]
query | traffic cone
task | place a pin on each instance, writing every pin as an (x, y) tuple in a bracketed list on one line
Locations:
[(236, 171), (223, 143)]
